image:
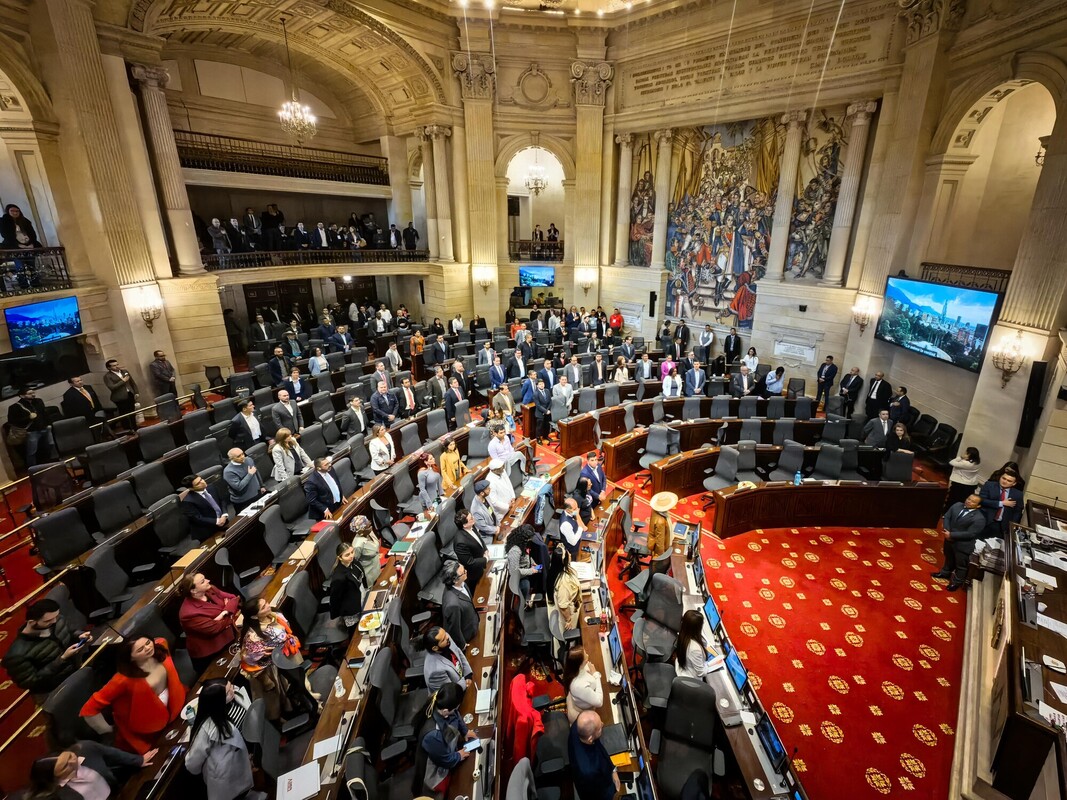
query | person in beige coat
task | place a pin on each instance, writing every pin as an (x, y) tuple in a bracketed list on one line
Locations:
[(585, 689)]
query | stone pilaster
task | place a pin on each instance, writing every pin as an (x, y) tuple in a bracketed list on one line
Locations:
[(502, 219), (429, 188), (622, 205), (860, 114), (925, 18), (167, 168), (395, 149), (437, 135), (461, 192), (787, 182), (476, 73), (663, 191), (591, 82)]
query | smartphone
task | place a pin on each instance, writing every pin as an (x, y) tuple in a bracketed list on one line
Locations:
[(473, 745), (355, 663), (539, 567), (592, 620)]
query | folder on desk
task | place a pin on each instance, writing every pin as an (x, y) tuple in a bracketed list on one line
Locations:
[(375, 600), (305, 551), (399, 547), (589, 536), (584, 571)]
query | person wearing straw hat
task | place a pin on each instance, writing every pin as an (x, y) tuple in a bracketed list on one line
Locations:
[(659, 526)]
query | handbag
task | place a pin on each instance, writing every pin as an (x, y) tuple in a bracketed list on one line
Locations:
[(16, 436)]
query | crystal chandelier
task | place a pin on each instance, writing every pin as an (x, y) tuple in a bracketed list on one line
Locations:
[(535, 178), (296, 118)]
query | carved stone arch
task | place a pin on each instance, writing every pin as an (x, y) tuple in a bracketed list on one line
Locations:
[(522, 141), (415, 163), (31, 92), (965, 108)]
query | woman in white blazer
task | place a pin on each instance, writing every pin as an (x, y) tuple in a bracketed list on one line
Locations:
[(288, 456)]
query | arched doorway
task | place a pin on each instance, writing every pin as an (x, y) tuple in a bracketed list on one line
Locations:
[(537, 194)]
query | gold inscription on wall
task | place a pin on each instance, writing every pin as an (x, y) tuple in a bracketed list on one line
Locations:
[(762, 57)]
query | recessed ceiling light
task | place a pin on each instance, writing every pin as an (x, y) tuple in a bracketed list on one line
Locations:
[(600, 12)]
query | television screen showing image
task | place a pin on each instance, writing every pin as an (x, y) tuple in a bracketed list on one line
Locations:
[(39, 323), (949, 323), (737, 670), (615, 645), (772, 745), (537, 276)]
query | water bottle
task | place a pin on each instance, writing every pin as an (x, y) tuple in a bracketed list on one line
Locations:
[(797, 478)]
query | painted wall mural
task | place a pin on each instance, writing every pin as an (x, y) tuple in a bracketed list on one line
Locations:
[(721, 212), (643, 201)]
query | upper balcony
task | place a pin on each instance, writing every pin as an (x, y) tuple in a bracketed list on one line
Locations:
[(229, 154), (42, 269), (318, 256)]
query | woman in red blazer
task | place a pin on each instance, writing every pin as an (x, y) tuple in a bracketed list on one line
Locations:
[(145, 695), (210, 619)]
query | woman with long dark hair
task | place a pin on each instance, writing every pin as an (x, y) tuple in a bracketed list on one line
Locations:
[(346, 586), (520, 564), (964, 479), (898, 439), (691, 651), (563, 588), (217, 751), (582, 683)]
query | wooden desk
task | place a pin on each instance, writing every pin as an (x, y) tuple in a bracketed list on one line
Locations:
[(820, 504)]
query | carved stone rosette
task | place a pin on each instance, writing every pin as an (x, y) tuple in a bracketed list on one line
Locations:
[(591, 82), (925, 18), (476, 73)]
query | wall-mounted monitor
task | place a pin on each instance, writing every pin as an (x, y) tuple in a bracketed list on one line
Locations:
[(40, 323), (948, 323), (537, 276)]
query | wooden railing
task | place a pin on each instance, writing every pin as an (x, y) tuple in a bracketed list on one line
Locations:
[(230, 154), (530, 250), (43, 269), (290, 258)]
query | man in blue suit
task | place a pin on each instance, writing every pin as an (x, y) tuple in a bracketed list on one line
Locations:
[(298, 388), (340, 342), (1002, 503), (497, 375), (825, 378), (696, 381), (529, 387), (899, 404), (278, 366), (964, 523), (598, 481), (322, 490), (384, 405)]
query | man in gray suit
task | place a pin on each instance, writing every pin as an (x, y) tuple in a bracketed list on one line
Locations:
[(877, 430), (241, 476), (445, 662), (964, 523), (460, 615), (485, 521), (286, 414)]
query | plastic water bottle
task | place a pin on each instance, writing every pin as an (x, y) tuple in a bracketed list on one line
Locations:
[(797, 478)]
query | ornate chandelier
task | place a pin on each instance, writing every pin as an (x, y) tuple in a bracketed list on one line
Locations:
[(535, 178), (296, 118)]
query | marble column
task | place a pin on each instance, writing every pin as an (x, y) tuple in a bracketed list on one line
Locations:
[(787, 184), (463, 227), (663, 191), (591, 83), (502, 219), (607, 196), (848, 194), (167, 168), (622, 204), (438, 134), (429, 189), (395, 150)]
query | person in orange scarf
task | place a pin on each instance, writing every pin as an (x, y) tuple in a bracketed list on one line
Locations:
[(264, 631)]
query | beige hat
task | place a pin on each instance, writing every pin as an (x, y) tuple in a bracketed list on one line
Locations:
[(664, 502)]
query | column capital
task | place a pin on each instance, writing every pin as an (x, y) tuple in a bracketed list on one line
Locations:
[(437, 131), (664, 136), (476, 73), (925, 18), (153, 77), (625, 140), (861, 111), (591, 82), (794, 119)]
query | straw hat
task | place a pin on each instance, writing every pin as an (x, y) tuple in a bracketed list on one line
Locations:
[(664, 502)]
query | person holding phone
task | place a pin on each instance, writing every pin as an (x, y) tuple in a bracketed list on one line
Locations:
[(442, 741), (520, 564)]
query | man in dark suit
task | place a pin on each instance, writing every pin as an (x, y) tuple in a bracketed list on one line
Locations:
[(1002, 503), (409, 403), (244, 427), (542, 409), (81, 401), (517, 368), (453, 396), (964, 523), (498, 376), (686, 363), (457, 608), (298, 388), (681, 333), (202, 509), (286, 414), (529, 387), (851, 386), (527, 348), (384, 405), (743, 383), (279, 367), (628, 351), (696, 381), (439, 351), (645, 370), (672, 351), (340, 342), (470, 549), (899, 404), (548, 375), (731, 347), (598, 370), (878, 395), (825, 380), (354, 419), (598, 481), (325, 330), (259, 333), (876, 431), (437, 386), (322, 490)]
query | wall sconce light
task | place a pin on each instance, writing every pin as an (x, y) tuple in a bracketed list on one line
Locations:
[(150, 305), (1008, 357), (346, 278), (484, 276), (586, 279), (1039, 159), (863, 312)]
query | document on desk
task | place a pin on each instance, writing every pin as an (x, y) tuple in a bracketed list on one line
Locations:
[(1051, 560), (1057, 534), (327, 747), (300, 784), (1053, 625), (1056, 717), (1060, 690), (1041, 577)]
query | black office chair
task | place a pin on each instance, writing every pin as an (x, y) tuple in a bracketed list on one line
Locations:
[(641, 586), (115, 505), (686, 743), (105, 461), (151, 484), (660, 444)]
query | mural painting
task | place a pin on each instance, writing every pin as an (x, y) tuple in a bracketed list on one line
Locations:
[(642, 202)]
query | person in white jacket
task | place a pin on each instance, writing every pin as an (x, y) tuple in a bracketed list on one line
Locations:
[(217, 751), (288, 456), (585, 689), (691, 652)]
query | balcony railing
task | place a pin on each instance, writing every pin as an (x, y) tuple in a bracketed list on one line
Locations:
[(43, 269), (230, 154), (530, 250), (290, 258)]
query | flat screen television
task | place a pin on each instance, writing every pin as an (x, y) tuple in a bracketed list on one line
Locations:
[(948, 323), (537, 276), (40, 323)]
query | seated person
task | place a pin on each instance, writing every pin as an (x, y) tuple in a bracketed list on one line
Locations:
[(144, 696), (44, 651), (445, 662), (441, 741), (86, 770), (691, 651)]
